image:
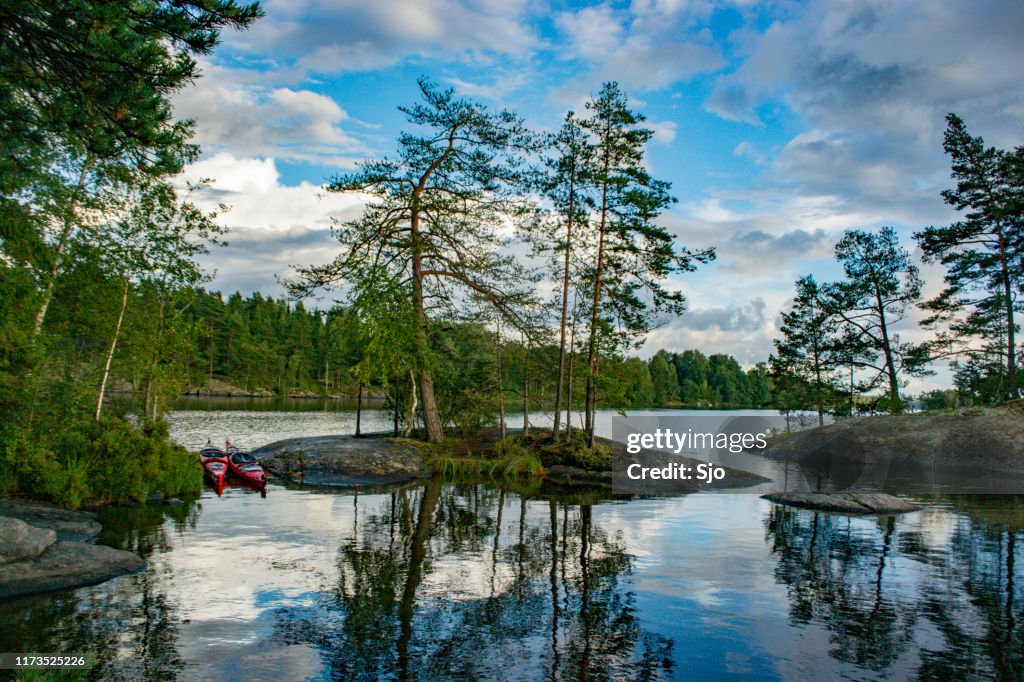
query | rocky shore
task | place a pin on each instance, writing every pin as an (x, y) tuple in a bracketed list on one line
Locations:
[(45, 548), (341, 461), (347, 461), (845, 503), (993, 443)]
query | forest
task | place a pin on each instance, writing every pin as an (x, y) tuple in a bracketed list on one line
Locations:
[(259, 344), (102, 291)]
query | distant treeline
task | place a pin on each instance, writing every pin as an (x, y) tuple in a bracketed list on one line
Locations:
[(259, 343)]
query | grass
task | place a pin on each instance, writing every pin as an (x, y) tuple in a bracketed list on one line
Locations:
[(485, 455), (506, 459)]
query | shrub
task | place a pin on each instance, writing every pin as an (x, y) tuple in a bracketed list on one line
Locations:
[(575, 451), (98, 462)]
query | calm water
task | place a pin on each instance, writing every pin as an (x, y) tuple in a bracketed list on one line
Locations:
[(442, 581)]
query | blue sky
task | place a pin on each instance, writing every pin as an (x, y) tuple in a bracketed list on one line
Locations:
[(779, 124)]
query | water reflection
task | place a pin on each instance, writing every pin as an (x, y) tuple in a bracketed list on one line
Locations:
[(474, 582), (138, 639), (443, 581), (937, 597)]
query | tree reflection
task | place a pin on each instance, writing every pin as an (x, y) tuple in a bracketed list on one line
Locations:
[(958, 617), (130, 625), (477, 582)]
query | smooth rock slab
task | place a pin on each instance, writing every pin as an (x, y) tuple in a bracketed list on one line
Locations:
[(77, 526), (18, 540), (845, 503), (64, 566), (342, 461)]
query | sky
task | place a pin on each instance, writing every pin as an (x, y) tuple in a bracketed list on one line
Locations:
[(779, 124)]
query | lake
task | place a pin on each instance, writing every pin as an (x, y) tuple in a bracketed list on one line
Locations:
[(477, 581)]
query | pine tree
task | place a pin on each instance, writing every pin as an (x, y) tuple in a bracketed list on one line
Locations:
[(808, 344), (433, 222), (983, 254), (633, 254), (881, 285)]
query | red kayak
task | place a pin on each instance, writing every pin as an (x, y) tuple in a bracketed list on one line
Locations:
[(215, 465), (244, 467)]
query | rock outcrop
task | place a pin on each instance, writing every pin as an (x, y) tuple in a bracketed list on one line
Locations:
[(45, 548), (18, 540), (342, 461), (74, 526), (845, 503), (66, 565), (988, 449)]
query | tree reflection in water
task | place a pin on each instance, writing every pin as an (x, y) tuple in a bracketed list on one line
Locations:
[(137, 640), (476, 582), (955, 614)]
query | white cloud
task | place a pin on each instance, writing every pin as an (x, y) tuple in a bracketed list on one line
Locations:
[(352, 35), (593, 33), (873, 81), (648, 46), (250, 119), (272, 226), (748, 150), (664, 131)]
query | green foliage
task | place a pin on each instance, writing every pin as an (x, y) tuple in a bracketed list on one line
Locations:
[(575, 450), (510, 460), (97, 462), (516, 460), (882, 284), (431, 228), (811, 350), (940, 400), (95, 79), (92, 233), (978, 311)]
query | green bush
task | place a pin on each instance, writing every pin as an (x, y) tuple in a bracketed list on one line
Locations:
[(98, 462), (516, 460), (575, 451)]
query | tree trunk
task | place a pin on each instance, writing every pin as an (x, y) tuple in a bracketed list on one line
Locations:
[(501, 386), (851, 388), (1011, 359), (431, 418), (526, 393), (396, 399), (410, 415), (359, 410), (568, 388), (817, 377), (58, 257), (110, 354), (894, 386), (591, 400), (565, 300)]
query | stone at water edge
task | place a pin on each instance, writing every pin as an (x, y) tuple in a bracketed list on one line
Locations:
[(341, 461), (844, 503), (79, 526), (19, 540), (64, 566)]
